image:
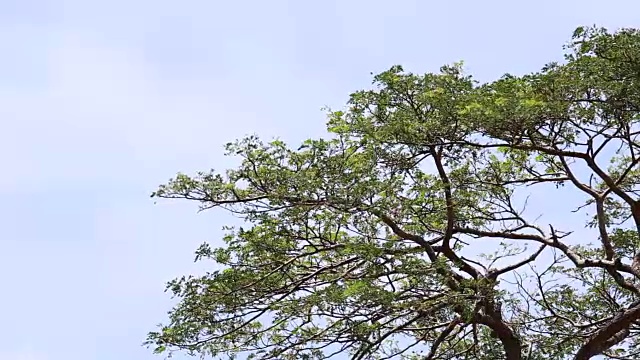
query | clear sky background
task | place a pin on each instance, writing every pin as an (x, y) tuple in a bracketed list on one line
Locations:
[(101, 101)]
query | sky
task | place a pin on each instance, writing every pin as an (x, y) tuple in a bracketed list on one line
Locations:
[(102, 101)]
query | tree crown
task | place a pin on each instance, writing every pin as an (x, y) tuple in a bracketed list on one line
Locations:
[(366, 243)]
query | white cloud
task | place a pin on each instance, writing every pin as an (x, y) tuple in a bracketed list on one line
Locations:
[(97, 115), (24, 354), (101, 110)]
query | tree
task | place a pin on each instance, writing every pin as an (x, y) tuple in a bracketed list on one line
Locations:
[(363, 243)]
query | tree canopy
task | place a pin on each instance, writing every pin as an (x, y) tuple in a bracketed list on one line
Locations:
[(365, 244)]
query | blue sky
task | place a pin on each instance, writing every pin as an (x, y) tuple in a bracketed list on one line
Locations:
[(101, 101)]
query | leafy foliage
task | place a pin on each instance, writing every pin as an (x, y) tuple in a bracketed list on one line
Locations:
[(360, 243)]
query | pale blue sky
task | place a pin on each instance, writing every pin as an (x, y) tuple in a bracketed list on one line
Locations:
[(100, 101)]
